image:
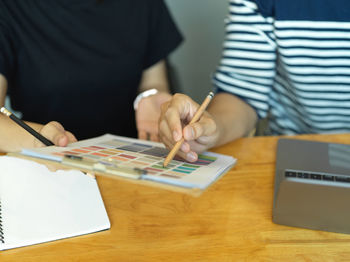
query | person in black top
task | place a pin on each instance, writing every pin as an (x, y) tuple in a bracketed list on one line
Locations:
[(82, 63)]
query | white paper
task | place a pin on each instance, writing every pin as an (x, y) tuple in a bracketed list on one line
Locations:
[(38, 205), (200, 177)]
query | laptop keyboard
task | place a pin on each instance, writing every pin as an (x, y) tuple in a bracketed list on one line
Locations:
[(316, 176)]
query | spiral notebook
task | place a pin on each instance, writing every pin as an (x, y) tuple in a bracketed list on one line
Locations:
[(37, 205)]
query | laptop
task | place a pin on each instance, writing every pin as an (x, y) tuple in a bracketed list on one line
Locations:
[(312, 185)]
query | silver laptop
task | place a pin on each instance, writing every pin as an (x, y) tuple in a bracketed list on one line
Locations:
[(312, 185)]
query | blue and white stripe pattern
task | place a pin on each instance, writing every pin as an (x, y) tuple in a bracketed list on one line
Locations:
[(290, 60)]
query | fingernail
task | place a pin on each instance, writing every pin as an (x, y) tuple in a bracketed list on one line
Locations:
[(62, 141), (190, 133), (176, 135), (184, 147), (191, 157)]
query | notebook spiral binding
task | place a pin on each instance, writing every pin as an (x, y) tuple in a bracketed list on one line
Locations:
[(2, 240)]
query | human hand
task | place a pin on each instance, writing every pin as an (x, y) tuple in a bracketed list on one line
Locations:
[(147, 116), (174, 120), (56, 133)]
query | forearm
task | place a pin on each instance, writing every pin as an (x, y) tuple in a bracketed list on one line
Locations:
[(234, 118), (161, 87), (13, 137), (155, 77), (3, 90)]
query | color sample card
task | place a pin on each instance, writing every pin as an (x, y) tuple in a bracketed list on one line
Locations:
[(149, 156)]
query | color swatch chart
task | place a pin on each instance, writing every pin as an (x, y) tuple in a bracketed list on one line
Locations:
[(145, 155)]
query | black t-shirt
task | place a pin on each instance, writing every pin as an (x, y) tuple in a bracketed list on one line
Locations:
[(79, 62)]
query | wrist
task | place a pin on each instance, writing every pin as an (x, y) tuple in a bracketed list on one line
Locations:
[(144, 94), (219, 136)]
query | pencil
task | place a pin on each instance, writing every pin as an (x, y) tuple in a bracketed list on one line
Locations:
[(195, 118), (41, 138)]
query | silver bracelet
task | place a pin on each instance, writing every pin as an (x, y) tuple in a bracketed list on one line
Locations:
[(142, 95)]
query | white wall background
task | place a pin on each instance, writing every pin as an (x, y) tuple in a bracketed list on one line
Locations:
[(202, 24)]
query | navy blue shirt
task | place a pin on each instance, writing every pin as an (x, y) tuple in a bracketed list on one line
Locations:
[(80, 62), (305, 10)]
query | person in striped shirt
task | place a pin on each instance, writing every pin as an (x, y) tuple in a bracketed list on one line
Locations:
[(285, 60)]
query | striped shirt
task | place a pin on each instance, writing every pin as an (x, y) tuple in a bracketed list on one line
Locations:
[(290, 61)]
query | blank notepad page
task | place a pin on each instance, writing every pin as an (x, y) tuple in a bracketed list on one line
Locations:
[(38, 205)]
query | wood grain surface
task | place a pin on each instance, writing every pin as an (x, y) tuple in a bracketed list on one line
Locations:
[(231, 221)]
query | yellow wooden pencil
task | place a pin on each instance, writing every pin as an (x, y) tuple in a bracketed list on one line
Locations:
[(195, 118)]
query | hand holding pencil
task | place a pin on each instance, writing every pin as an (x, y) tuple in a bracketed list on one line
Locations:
[(185, 128), (52, 133)]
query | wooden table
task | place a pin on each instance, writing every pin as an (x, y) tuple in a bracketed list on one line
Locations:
[(231, 221)]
